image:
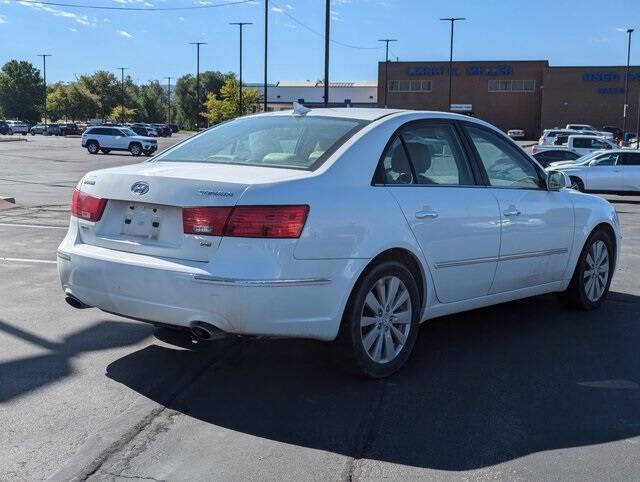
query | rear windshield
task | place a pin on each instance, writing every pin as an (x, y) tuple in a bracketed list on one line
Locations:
[(293, 142)]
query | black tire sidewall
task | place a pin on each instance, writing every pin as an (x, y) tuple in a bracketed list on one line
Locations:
[(132, 147), (579, 289), (93, 143), (351, 320)]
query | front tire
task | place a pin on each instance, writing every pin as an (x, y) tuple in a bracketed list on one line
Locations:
[(592, 277), (135, 149), (380, 324), (93, 147)]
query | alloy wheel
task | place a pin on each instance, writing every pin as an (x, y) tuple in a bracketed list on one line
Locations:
[(596, 273), (385, 320)]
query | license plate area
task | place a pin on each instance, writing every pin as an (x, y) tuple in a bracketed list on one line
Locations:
[(142, 220)]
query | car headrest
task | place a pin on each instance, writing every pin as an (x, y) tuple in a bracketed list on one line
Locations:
[(399, 162), (420, 156)]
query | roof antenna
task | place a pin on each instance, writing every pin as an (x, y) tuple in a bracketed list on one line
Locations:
[(299, 109)]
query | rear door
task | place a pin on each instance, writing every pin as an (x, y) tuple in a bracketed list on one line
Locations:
[(454, 219), (631, 171), (606, 175), (536, 224)]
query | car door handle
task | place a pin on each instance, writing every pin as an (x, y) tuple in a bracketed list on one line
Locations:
[(426, 214), (512, 212)]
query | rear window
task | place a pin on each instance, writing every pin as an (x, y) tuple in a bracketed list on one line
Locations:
[(285, 141)]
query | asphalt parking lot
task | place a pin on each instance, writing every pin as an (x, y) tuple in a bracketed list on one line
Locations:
[(524, 390)]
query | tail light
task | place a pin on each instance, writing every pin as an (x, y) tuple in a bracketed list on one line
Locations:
[(207, 221), (246, 221), (87, 207)]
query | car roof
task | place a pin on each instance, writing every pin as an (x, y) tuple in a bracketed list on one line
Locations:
[(360, 113)]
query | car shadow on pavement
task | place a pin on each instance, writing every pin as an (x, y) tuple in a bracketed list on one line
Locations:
[(20, 376), (481, 388)]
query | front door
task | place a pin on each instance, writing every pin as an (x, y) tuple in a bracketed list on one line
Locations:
[(455, 220), (536, 224), (605, 174)]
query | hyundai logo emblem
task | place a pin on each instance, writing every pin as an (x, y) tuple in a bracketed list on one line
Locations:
[(140, 188)]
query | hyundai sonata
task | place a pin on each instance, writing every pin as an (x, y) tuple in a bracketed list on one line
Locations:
[(352, 225)]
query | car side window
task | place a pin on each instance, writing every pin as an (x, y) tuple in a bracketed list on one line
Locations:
[(396, 167), (582, 143), (607, 160), (504, 165), (631, 159), (598, 144), (436, 155)]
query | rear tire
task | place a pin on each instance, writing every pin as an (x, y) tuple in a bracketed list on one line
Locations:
[(135, 149), (93, 147), (591, 279), (380, 323), (577, 184)]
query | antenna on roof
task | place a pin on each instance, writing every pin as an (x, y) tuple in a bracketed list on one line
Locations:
[(299, 109)]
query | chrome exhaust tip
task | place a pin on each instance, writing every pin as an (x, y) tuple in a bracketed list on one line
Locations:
[(75, 302), (206, 331)]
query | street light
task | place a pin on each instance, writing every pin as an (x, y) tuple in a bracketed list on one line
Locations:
[(452, 20), (327, 29), (626, 84), (240, 24), (197, 44), (169, 94), (122, 69), (266, 40), (44, 72), (386, 67)]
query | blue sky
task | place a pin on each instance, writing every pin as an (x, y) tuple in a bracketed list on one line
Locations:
[(155, 44)]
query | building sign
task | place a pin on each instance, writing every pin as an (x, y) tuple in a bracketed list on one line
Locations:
[(461, 108), (475, 70), (609, 76)]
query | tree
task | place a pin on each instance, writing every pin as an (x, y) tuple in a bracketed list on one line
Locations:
[(72, 101), (153, 102), (122, 115), (185, 94), (106, 88), (226, 107), (21, 91)]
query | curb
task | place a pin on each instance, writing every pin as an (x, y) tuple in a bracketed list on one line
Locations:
[(13, 139)]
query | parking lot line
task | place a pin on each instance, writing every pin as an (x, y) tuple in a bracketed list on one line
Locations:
[(27, 260), (42, 226)]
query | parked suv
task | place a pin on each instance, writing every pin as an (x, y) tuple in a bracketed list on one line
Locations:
[(107, 139), (4, 128), (163, 130), (18, 127), (69, 129)]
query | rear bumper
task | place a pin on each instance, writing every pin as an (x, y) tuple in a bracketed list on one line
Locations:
[(306, 304)]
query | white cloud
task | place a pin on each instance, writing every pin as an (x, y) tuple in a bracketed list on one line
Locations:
[(71, 29), (181, 19), (144, 3), (106, 20), (3, 18), (337, 16), (81, 19), (290, 7), (124, 33)]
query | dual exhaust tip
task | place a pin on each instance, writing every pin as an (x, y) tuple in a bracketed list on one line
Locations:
[(199, 329)]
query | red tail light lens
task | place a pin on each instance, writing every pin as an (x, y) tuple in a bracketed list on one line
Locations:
[(87, 207), (267, 221), (205, 221)]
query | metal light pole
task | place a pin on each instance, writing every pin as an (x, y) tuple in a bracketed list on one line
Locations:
[(240, 24), (452, 20), (122, 69), (626, 86), (169, 94), (198, 44), (266, 40), (386, 67), (44, 72), (327, 29)]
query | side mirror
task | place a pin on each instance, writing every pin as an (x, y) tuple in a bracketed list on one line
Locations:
[(557, 180)]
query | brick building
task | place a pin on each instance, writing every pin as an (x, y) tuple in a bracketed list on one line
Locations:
[(515, 94)]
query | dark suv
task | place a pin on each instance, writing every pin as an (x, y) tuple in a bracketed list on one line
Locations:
[(4, 128), (163, 130)]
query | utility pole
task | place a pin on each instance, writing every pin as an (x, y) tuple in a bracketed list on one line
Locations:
[(198, 44), (266, 40), (452, 20), (169, 94), (327, 29), (626, 86), (240, 24), (122, 69), (638, 126), (44, 72), (386, 67)]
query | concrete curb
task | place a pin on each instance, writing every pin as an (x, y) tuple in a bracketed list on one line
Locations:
[(100, 446), (13, 139)]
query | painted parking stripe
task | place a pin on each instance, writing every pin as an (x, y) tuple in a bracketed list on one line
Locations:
[(27, 260), (42, 226)]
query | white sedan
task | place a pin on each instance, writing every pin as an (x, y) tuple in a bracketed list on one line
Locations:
[(353, 225)]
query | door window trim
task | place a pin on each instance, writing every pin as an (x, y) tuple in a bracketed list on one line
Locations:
[(379, 174), (475, 155)]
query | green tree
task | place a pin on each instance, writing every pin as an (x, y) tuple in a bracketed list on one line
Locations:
[(72, 101), (106, 88), (153, 102), (185, 94), (119, 114), (226, 107), (21, 91)]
